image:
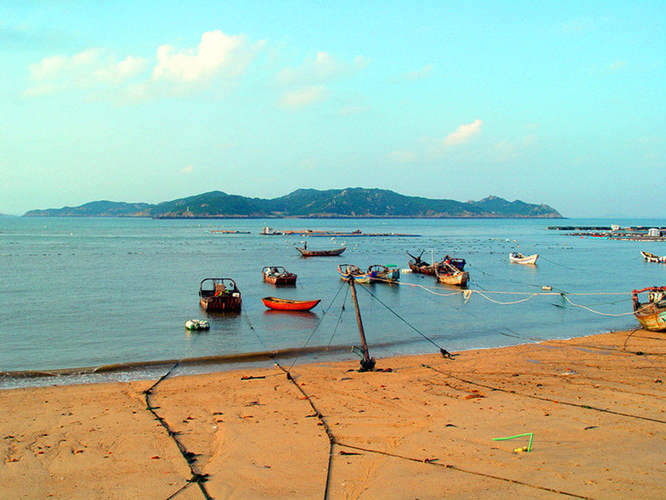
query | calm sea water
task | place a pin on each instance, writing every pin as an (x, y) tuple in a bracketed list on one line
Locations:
[(90, 292)]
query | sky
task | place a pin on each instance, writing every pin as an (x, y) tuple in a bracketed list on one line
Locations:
[(555, 102)]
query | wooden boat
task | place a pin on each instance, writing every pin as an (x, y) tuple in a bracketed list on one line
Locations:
[(383, 274), (278, 276), (289, 305), (219, 295), (321, 253), (650, 257), (519, 258), (651, 314), (421, 266), (351, 272), (451, 272)]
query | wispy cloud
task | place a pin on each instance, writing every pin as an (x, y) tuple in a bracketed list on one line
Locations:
[(303, 97), (463, 134), (324, 68), (309, 83), (433, 148), (617, 66), (85, 69)]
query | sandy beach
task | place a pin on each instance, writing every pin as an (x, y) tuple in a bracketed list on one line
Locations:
[(420, 427)]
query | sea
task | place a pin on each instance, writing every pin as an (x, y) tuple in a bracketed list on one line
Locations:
[(99, 299)]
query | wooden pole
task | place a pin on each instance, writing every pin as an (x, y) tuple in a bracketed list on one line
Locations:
[(367, 363)]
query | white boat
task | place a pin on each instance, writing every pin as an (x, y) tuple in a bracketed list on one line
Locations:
[(519, 258), (650, 257)]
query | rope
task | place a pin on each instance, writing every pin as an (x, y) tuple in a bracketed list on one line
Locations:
[(593, 311), (466, 471), (317, 326), (586, 407), (331, 438), (197, 476), (403, 320), (337, 324)]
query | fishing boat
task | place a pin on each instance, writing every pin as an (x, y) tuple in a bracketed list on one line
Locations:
[(650, 257), (351, 272), (651, 314), (451, 272), (278, 276), (320, 253), (519, 258), (421, 266), (383, 274), (219, 295), (289, 305)]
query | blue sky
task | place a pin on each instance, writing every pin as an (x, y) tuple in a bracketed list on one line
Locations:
[(556, 102)]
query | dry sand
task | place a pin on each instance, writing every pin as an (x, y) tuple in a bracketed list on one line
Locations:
[(424, 430)]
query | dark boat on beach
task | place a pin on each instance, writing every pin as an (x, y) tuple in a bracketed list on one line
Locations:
[(219, 295), (278, 276), (320, 253), (651, 314)]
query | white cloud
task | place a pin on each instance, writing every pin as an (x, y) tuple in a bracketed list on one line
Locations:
[(123, 71), (188, 170), (48, 68), (175, 71), (303, 97), (82, 70), (464, 133), (323, 68), (216, 52)]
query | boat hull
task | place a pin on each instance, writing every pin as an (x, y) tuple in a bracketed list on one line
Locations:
[(277, 304), (649, 257), (652, 314), (522, 259), (454, 279), (321, 253), (220, 304)]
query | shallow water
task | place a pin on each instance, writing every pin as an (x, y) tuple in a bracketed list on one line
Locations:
[(89, 292)]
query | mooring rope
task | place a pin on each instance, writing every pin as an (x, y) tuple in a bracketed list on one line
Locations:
[(532, 396), (197, 476), (441, 349), (317, 326)]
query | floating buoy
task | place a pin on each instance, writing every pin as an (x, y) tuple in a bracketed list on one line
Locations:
[(197, 324)]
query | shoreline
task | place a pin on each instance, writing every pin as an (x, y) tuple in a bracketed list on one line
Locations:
[(421, 426)]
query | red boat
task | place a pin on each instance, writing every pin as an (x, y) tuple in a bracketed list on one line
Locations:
[(289, 305)]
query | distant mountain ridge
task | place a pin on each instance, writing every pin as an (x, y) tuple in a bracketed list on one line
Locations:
[(332, 203)]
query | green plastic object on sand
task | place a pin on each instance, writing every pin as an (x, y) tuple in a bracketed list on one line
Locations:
[(529, 445)]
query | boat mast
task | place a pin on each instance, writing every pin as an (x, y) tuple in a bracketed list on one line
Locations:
[(367, 363)]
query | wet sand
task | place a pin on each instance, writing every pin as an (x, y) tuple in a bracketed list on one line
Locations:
[(421, 427)]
